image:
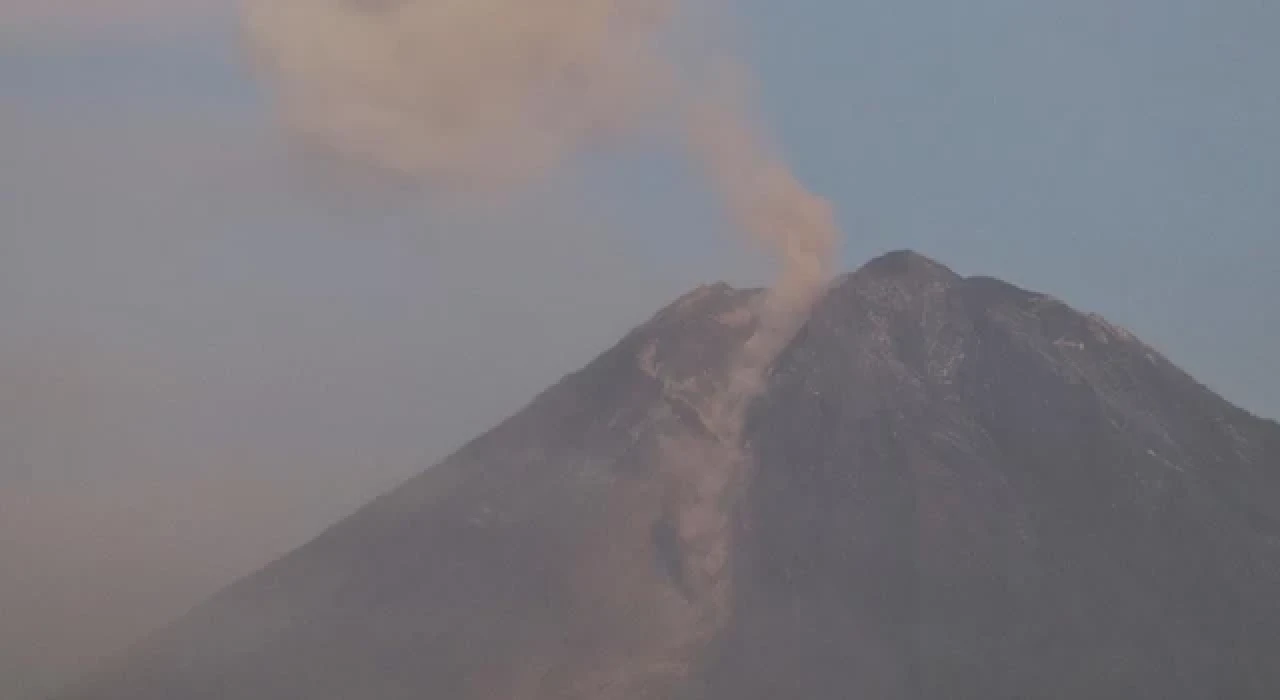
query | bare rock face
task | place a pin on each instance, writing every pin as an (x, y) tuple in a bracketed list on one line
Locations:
[(951, 488)]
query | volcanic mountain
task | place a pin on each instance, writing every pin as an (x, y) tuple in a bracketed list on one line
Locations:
[(949, 488)]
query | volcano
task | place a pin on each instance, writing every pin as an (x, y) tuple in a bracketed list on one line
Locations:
[(949, 487)]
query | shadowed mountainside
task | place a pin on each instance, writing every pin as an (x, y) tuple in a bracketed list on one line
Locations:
[(954, 488)]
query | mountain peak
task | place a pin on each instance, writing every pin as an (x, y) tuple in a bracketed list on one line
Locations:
[(906, 265), (893, 279)]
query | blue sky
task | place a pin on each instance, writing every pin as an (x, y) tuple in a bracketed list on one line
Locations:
[(1121, 156), (184, 301)]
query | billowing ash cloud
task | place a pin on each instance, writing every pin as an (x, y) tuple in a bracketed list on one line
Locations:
[(478, 96), (464, 93)]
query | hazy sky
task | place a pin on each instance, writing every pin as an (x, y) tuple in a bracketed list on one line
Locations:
[(210, 351)]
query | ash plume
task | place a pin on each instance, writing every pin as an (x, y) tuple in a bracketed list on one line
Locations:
[(479, 98), (774, 208)]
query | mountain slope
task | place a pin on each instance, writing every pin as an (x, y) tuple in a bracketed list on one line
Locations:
[(953, 488)]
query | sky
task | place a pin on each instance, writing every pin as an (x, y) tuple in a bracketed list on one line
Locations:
[(211, 350)]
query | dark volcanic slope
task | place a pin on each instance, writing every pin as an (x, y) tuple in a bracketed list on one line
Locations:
[(957, 489)]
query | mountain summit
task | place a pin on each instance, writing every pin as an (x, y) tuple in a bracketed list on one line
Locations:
[(950, 488)]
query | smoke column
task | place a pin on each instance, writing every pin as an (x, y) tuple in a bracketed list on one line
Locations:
[(771, 206), (476, 98)]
